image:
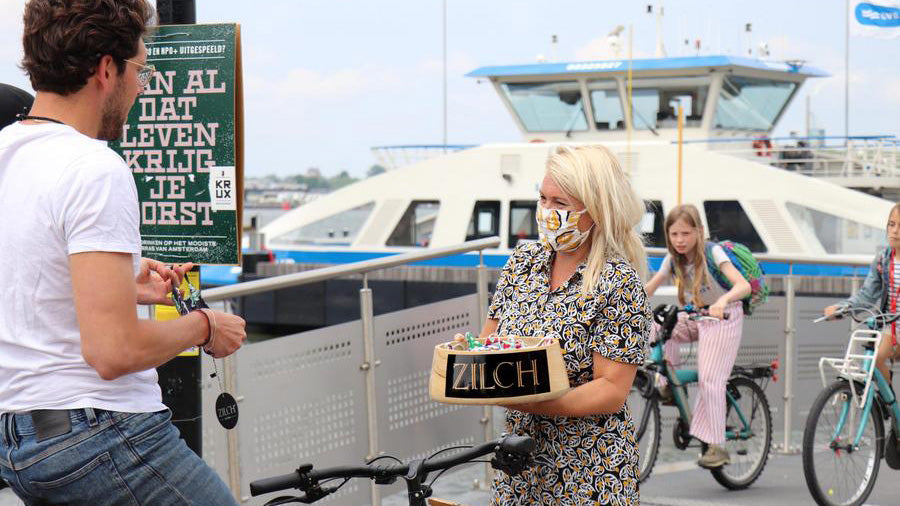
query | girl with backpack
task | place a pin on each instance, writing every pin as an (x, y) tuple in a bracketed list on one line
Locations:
[(686, 265), (880, 292)]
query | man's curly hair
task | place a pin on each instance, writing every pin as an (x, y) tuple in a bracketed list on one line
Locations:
[(65, 39)]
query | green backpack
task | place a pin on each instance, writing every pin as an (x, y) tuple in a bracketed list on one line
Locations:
[(743, 260)]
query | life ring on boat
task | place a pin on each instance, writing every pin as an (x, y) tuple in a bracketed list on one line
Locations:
[(763, 146)]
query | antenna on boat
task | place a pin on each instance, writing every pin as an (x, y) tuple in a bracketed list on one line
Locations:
[(614, 40), (660, 48), (553, 41), (748, 29)]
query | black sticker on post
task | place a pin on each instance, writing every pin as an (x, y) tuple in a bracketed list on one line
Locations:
[(496, 375), (226, 410)]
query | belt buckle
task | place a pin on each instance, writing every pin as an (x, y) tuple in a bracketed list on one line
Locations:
[(50, 423)]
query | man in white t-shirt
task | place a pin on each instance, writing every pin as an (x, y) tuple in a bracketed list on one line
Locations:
[(81, 415)]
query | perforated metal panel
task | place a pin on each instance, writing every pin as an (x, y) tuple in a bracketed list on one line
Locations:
[(410, 424), (303, 401)]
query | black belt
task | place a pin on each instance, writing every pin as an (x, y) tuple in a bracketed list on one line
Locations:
[(50, 423)]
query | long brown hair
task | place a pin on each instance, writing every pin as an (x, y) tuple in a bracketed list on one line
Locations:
[(691, 216)]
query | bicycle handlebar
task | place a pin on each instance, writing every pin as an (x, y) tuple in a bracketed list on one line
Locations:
[(876, 317), (305, 477)]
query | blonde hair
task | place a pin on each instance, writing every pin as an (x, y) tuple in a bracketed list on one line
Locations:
[(592, 175), (691, 216)]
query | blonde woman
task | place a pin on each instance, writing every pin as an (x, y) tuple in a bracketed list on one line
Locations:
[(582, 285), (718, 340)]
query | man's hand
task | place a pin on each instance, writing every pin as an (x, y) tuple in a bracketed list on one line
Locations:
[(230, 334), (154, 281)]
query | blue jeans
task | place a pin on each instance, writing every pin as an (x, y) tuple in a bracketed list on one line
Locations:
[(108, 458)]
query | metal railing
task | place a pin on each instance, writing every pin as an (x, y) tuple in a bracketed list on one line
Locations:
[(858, 157), (790, 329), (226, 293), (393, 157), (367, 315)]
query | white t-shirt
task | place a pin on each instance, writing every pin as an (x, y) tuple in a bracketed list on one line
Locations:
[(711, 291), (61, 193)]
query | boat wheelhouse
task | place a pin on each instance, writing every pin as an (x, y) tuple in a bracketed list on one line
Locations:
[(730, 106)]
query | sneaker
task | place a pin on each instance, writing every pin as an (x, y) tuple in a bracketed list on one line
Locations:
[(714, 456), (666, 397)]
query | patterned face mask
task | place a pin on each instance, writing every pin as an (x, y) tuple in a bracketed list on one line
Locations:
[(558, 228)]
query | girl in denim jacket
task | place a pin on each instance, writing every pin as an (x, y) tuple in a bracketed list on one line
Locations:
[(880, 291)]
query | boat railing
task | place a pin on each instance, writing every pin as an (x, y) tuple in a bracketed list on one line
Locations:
[(394, 157), (854, 159)]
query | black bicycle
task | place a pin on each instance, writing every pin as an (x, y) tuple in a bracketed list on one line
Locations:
[(512, 455)]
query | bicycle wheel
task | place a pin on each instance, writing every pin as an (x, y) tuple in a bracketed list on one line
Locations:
[(645, 413), (748, 425), (835, 473)]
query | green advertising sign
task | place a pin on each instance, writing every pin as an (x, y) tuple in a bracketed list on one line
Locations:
[(183, 143)]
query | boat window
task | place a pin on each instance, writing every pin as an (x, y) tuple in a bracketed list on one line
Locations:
[(836, 235), (608, 113), (485, 220), (547, 107), (416, 225), (655, 101), (522, 224), (653, 224), (338, 229), (749, 103), (728, 221)]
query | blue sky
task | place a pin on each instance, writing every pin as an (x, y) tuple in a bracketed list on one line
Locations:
[(326, 80)]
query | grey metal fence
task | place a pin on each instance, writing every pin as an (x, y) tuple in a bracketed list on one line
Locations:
[(345, 393), (348, 392)]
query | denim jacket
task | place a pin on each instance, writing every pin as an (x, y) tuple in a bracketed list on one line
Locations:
[(874, 291)]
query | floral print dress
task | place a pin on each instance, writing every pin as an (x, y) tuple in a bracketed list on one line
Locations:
[(579, 460)]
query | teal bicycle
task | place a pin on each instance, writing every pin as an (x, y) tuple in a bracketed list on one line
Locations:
[(748, 421), (844, 441)]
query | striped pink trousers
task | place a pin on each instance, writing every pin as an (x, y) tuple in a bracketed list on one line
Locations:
[(716, 352)]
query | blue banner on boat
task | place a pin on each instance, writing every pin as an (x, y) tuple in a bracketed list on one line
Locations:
[(878, 19)]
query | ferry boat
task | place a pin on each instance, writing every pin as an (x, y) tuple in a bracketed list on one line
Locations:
[(790, 200)]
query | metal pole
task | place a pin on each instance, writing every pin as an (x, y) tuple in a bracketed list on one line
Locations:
[(234, 461), (680, 147), (789, 358), (846, 71), (482, 287), (229, 378), (176, 12), (445, 75), (368, 366), (629, 120)]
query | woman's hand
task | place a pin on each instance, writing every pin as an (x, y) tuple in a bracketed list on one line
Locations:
[(154, 281), (830, 310), (717, 310)]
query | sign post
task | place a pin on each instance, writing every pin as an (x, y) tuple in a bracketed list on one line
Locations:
[(183, 144)]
